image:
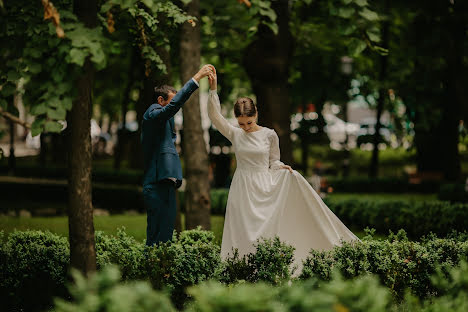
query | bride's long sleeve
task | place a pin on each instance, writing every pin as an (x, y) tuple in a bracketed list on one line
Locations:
[(275, 154), (214, 112)]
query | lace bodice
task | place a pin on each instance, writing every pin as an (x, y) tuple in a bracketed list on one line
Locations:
[(257, 150)]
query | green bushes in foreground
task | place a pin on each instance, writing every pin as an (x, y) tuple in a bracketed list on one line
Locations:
[(103, 292), (31, 259)]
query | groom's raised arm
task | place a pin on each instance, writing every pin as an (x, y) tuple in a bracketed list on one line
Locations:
[(166, 112)]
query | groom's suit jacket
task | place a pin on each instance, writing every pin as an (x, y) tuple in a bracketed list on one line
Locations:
[(158, 136)]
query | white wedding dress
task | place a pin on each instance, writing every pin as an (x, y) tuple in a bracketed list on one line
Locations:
[(266, 201)]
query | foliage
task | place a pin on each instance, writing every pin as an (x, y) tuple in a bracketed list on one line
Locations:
[(103, 292), (122, 250), (400, 264), (186, 260), (47, 65), (417, 218), (29, 259), (32, 258), (271, 262), (453, 193)]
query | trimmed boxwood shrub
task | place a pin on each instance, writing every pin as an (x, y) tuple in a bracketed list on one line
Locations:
[(401, 264), (271, 262), (190, 258), (33, 269), (122, 250), (34, 264)]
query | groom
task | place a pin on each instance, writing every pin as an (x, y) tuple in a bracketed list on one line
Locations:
[(162, 169)]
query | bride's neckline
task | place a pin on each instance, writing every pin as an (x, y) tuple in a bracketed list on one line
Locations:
[(261, 128)]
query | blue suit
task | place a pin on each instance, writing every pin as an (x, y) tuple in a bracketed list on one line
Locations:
[(161, 162)]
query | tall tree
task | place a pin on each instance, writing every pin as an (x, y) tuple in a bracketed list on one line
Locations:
[(197, 192), (267, 60), (374, 166), (80, 206)]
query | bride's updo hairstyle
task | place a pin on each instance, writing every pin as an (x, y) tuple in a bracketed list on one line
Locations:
[(245, 107)]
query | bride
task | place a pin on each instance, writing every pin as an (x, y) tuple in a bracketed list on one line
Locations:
[(267, 198)]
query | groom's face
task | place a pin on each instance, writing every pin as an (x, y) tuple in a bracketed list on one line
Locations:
[(163, 102)]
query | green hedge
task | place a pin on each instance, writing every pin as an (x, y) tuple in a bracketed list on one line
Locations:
[(115, 198), (417, 218), (102, 175), (33, 258), (380, 185), (453, 193)]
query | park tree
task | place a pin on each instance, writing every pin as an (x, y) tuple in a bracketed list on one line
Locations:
[(432, 78), (54, 49), (197, 191), (289, 45)]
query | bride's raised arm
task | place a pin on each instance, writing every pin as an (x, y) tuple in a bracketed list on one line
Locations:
[(214, 112), (214, 108)]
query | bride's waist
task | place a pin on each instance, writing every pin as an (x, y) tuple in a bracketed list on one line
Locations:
[(252, 168)]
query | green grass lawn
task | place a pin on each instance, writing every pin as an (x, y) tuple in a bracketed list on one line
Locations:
[(135, 225)]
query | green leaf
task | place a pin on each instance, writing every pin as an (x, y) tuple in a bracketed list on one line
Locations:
[(53, 126), (361, 3), (3, 104), (13, 75), (356, 46), (369, 15), (67, 103), (346, 12), (269, 13), (8, 90), (39, 109), (78, 56), (373, 35), (272, 26), (54, 102), (58, 113), (37, 126), (35, 68)]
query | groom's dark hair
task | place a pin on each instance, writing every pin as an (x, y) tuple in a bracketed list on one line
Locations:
[(164, 90)]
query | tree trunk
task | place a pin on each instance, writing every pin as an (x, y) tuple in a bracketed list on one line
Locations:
[(80, 210), (122, 134), (374, 167), (267, 62), (197, 192), (11, 157)]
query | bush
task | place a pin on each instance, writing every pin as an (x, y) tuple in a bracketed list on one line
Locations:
[(453, 193), (113, 198), (381, 185), (102, 292), (271, 262), (401, 264), (187, 260), (417, 218), (122, 250), (33, 269)]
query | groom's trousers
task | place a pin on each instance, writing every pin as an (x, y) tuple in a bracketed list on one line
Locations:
[(160, 203)]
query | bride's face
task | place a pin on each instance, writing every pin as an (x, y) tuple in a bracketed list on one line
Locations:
[(248, 124)]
